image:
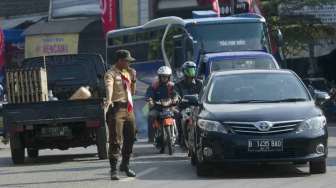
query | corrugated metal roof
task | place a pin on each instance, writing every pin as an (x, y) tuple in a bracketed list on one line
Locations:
[(59, 26), (23, 7), (12, 23)]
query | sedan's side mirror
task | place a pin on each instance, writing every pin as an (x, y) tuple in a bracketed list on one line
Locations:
[(321, 96), (191, 100), (201, 77)]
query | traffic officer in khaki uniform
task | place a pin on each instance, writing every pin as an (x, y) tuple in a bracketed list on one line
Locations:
[(120, 86)]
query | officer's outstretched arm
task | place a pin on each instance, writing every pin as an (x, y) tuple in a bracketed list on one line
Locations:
[(109, 89)]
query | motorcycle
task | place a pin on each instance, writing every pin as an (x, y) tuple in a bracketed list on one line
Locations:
[(186, 123), (165, 126)]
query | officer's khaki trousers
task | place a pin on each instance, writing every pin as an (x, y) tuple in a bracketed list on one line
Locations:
[(122, 129)]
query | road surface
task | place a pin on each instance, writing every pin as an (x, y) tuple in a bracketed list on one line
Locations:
[(80, 168)]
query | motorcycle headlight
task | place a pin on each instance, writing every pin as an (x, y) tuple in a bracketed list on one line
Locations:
[(316, 123), (213, 126)]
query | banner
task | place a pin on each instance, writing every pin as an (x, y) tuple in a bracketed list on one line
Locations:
[(215, 7), (109, 15), (45, 45), (2, 49)]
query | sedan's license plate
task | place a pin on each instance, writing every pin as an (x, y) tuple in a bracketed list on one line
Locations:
[(55, 131), (265, 145)]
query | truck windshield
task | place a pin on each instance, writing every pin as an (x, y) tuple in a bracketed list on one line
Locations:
[(231, 36), (243, 63)]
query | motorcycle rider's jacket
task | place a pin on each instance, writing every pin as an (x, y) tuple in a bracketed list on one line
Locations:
[(159, 91), (184, 87)]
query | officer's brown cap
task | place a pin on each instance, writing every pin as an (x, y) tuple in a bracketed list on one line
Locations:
[(124, 54)]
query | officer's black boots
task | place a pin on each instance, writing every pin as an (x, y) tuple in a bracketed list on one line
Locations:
[(114, 172), (124, 167)]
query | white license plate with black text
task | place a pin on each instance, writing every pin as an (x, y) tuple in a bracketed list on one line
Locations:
[(265, 145), (55, 131)]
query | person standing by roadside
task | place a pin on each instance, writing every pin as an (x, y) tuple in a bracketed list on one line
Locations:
[(120, 86)]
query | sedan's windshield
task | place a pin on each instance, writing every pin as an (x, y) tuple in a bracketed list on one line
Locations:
[(243, 63), (256, 88)]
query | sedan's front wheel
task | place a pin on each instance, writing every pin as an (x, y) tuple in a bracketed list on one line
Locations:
[(318, 167)]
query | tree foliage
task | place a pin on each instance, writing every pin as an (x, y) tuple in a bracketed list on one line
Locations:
[(299, 30)]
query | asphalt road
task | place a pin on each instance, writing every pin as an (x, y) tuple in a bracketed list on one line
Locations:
[(80, 168)]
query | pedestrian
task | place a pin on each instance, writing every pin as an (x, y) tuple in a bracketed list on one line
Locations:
[(120, 86)]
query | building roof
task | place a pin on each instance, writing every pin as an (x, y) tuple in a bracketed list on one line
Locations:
[(23, 7), (59, 26), (14, 22)]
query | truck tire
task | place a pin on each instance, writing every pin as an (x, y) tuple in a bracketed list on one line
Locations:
[(203, 169), (33, 153), (17, 149), (318, 167), (101, 142)]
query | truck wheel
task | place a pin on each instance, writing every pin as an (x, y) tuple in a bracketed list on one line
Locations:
[(17, 149), (203, 169), (318, 167), (33, 153), (101, 142)]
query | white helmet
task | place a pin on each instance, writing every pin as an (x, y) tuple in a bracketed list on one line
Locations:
[(164, 70)]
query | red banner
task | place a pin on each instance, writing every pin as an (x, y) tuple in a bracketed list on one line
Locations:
[(109, 15), (215, 7), (2, 49)]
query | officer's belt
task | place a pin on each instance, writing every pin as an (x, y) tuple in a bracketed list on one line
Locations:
[(120, 104)]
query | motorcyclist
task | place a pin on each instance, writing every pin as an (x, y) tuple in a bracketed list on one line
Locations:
[(161, 89), (189, 85)]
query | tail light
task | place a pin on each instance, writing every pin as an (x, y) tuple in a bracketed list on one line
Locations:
[(18, 128), (168, 122), (93, 123)]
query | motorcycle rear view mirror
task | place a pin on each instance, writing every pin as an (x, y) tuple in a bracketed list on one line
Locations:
[(191, 100), (321, 97)]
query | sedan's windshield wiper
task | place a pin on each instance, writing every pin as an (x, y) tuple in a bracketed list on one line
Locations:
[(268, 101), (250, 101), (290, 100)]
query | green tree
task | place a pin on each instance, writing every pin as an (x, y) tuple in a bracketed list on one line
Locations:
[(300, 31)]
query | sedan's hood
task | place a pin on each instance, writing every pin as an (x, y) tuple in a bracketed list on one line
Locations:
[(260, 112)]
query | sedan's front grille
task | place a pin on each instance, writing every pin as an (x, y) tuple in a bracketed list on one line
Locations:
[(251, 128)]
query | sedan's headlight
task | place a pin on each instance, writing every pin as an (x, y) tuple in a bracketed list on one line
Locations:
[(316, 123), (213, 126)]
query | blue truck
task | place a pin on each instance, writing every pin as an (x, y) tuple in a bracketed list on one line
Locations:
[(221, 61)]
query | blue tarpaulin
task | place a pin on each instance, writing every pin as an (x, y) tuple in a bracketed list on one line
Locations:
[(13, 36)]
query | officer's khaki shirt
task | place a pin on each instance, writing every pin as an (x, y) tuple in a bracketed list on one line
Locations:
[(115, 89)]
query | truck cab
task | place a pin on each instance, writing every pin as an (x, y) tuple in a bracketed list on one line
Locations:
[(213, 62)]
